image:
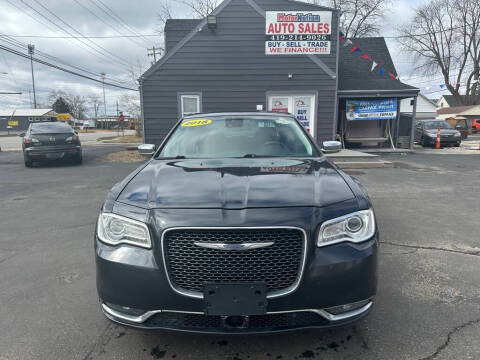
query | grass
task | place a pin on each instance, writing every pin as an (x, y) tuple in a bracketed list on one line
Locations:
[(124, 156), (121, 139)]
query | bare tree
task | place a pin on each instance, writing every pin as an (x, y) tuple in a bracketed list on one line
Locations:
[(164, 14), (444, 36), (95, 103), (201, 8), (358, 17), (78, 106)]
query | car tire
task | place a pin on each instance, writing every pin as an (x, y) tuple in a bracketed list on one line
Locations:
[(457, 145), (423, 142), (79, 160)]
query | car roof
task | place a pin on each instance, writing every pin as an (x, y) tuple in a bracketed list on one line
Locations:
[(248, 113)]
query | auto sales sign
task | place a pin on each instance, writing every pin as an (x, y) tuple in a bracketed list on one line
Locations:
[(298, 32)]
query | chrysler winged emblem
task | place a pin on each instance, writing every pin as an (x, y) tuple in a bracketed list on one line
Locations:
[(234, 247), (52, 139)]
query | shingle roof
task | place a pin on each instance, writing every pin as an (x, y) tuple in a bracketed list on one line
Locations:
[(355, 74), (454, 109), (181, 24), (466, 100), (24, 112)]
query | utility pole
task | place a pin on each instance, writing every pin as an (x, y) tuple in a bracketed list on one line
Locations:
[(154, 52), (31, 50), (104, 101)]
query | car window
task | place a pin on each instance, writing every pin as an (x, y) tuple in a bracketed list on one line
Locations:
[(238, 136), (50, 128), (435, 124)]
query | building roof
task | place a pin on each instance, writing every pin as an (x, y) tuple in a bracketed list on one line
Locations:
[(452, 100), (181, 24), (24, 112), (355, 73), (454, 109)]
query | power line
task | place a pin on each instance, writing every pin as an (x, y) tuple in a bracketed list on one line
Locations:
[(113, 56), (86, 36), (119, 19), (24, 46), (13, 51), (104, 22), (115, 60)]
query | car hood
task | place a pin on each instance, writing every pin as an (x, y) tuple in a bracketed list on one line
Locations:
[(236, 184), (443, 131)]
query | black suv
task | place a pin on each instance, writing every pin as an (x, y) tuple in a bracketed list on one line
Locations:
[(237, 224), (46, 141)]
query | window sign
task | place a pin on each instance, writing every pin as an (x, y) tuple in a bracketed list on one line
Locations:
[(302, 110), (298, 32), (280, 104), (376, 109)]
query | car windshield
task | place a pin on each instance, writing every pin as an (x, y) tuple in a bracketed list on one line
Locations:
[(437, 124), (50, 128), (238, 136)]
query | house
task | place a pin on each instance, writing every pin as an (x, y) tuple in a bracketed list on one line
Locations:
[(462, 100), (454, 113), (20, 119), (249, 55), (426, 108)]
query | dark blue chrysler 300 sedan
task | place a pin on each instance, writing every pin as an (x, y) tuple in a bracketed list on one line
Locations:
[(237, 224)]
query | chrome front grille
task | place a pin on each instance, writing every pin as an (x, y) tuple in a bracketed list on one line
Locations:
[(190, 267)]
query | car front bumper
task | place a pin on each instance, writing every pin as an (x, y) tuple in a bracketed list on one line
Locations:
[(48, 153), (444, 140), (139, 295)]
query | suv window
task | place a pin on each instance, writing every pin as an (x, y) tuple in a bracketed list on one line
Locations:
[(238, 136)]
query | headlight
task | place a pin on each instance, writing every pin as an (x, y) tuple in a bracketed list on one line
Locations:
[(458, 134), (355, 227), (115, 229), (432, 135)]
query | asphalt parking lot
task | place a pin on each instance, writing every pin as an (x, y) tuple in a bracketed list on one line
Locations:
[(427, 307)]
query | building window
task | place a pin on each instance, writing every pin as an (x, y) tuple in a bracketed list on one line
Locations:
[(189, 104)]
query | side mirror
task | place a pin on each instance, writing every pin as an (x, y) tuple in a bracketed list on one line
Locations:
[(331, 147), (146, 149), (21, 134)]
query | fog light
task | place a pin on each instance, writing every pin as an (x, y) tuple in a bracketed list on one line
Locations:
[(335, 310)]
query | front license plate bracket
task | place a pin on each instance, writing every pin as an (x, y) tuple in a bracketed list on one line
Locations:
[(235, 299)]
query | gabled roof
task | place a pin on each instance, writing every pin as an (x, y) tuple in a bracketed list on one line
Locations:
[(184, 24), (466, 100), (457, 109), (354, 72), (181, 24), (24, 112)]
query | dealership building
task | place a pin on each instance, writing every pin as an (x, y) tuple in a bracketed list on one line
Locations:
[(278, 55)]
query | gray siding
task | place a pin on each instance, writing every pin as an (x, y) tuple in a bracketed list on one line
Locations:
[(229, 67)]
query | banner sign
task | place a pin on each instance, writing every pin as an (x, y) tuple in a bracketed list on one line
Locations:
[(12, 123), (371, 109), (63, 117), (296, 33)]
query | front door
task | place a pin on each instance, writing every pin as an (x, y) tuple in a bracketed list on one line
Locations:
[(302, 106)]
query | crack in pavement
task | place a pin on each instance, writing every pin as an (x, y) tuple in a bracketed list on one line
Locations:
[(464, 252), (449, 338), (98, 346)]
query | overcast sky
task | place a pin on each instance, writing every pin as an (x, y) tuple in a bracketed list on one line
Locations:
[(128, 18)]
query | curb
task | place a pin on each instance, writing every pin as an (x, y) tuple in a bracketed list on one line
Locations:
[(363, 164)]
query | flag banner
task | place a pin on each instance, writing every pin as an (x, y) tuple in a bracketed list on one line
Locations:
[(392, 76), (341, 35), (376, 109), (374, 65), (365, 56), (348, 42), (355, 49), (382, 71), (442, 86)]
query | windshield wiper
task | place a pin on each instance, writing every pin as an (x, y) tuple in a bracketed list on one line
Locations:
[(171, 157)]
